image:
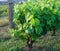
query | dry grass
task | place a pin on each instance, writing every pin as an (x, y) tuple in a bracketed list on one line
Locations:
[(4, 28), (3, 21)]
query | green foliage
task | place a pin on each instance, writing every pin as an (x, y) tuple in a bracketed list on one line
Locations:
[(3, 10), (27, 20), (50, 14), (36, 19)]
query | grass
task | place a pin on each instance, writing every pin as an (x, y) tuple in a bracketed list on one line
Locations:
[(47, 43)]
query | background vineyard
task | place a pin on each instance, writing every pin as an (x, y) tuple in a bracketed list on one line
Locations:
[(3, 10)]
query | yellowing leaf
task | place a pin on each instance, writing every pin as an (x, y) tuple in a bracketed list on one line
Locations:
[(30, 17)]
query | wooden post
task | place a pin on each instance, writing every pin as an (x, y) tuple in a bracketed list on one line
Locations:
[(11, 11)]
